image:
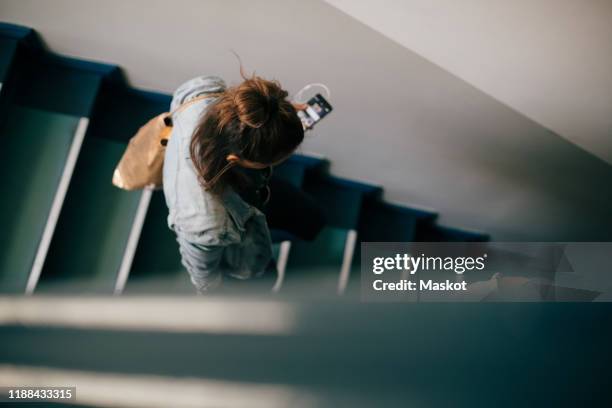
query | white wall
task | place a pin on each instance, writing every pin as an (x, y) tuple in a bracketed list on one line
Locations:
[(430, 138), (549, 59)]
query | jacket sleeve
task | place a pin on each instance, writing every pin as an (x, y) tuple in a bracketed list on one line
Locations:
[(195, 87), (202, 262)]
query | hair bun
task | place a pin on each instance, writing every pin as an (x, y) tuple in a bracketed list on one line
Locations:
[(272, 105), (257, 101), (271, 109)]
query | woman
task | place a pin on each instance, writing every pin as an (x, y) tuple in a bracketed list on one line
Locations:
[(217, 181)]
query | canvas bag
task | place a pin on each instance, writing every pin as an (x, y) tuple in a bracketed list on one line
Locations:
[(143, 160)]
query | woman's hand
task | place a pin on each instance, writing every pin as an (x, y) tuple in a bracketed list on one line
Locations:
[(299, 106)]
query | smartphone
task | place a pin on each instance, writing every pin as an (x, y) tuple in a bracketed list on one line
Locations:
[(317, 108)]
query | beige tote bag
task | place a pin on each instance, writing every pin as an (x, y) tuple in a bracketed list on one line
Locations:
[(142, 162)]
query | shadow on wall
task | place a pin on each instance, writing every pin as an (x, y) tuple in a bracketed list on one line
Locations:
[(551, 172)]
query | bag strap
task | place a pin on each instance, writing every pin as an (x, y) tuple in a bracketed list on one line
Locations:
[(192, 101), (168, 118)]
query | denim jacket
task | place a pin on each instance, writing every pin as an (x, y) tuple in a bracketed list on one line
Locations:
[(218, 235)]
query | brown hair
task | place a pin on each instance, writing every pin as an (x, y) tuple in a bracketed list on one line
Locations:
[(253, 120)]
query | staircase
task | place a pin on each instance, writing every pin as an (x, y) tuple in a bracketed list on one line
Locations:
[(64, 124)]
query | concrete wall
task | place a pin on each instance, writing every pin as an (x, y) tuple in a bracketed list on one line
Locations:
[(401, 121), (549, 59)]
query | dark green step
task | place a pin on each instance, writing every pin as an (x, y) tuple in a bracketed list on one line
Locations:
[(437, 233), (35, 145), (316, 265), (341, 199), (10, 37), (8, 47), (90, 242), (385, 222), (50, 84), (120, 111), (14, 31), (294, 169), (157, 263), (47, 81), (93, 229)]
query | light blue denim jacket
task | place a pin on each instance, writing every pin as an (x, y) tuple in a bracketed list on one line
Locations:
[(217, 235)]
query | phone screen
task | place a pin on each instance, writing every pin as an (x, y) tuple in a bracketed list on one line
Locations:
[(317, 108)]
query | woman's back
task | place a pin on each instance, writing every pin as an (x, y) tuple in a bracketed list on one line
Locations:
[(218, 232)]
